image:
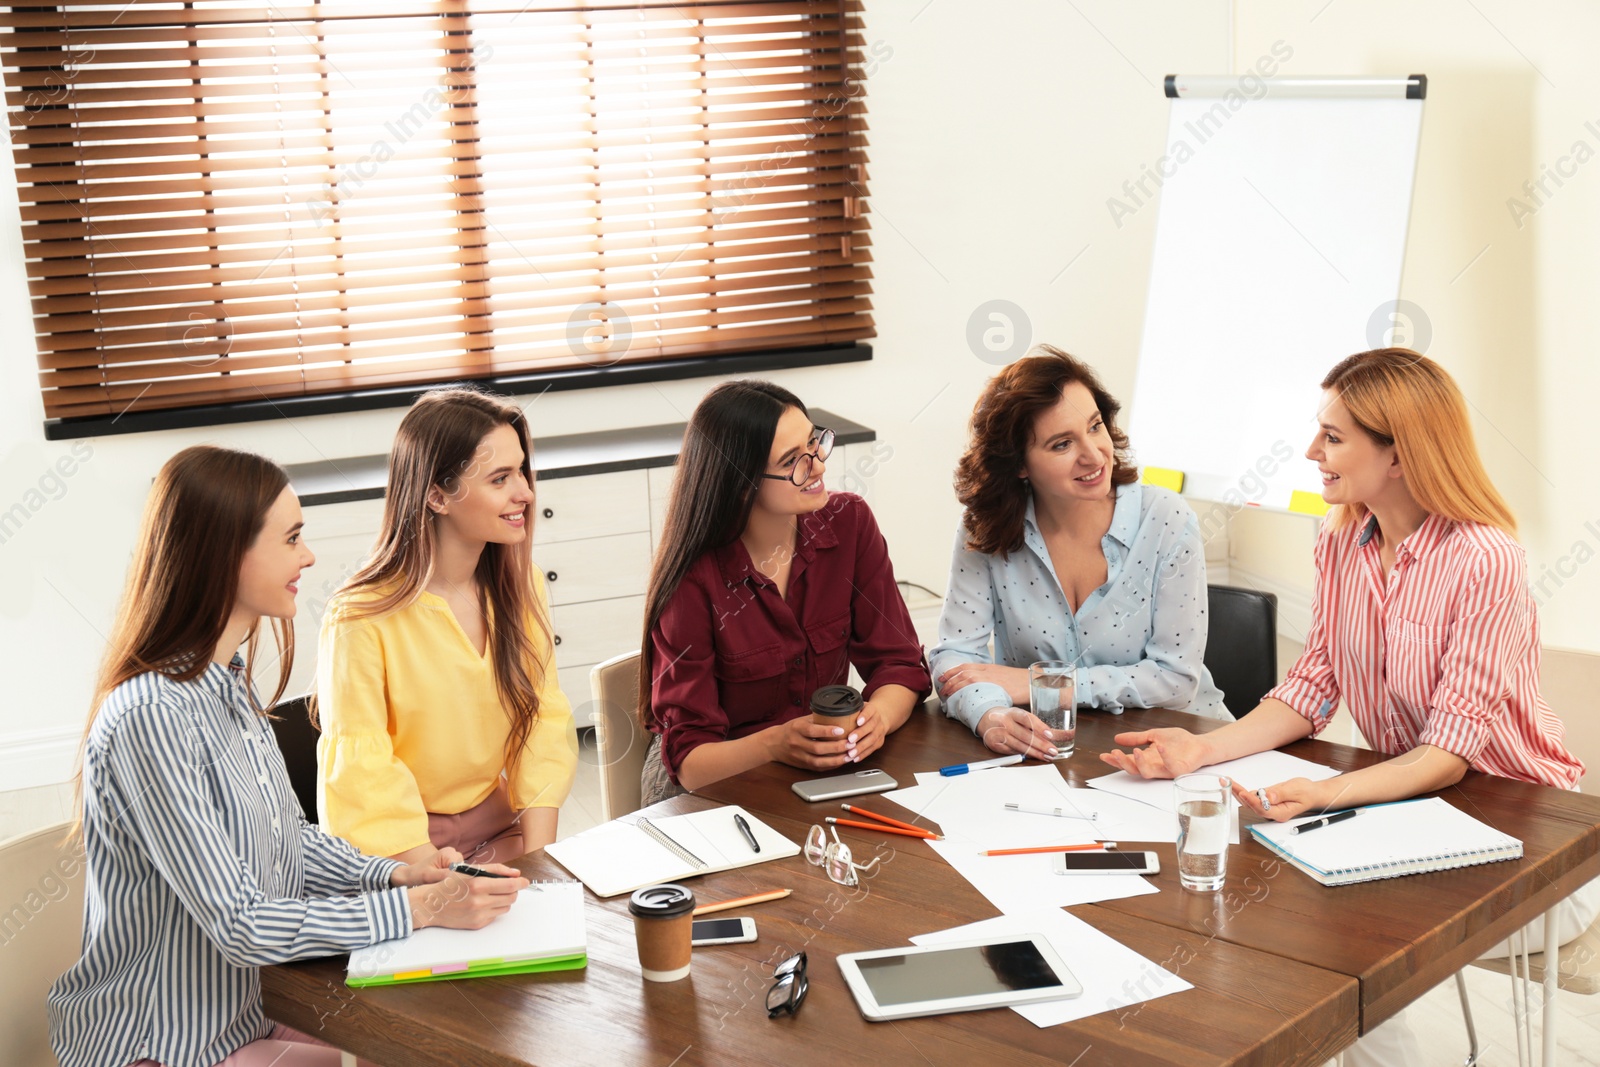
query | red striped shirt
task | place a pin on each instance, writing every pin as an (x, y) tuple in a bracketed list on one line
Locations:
[(1443, 652)]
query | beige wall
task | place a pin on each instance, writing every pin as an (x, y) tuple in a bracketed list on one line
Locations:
[(1511, 308), (999, 132), (989, 175)]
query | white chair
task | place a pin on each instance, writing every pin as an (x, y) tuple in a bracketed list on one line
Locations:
[(41, 935), (620, 743), (1566, 680)]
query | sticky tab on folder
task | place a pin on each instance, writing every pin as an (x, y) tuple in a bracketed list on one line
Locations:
[(1166, 479)]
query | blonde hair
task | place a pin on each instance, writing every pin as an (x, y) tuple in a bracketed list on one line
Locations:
[(1404, 399)]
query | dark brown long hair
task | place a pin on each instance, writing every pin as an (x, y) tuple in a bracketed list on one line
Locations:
[(435, 448), (204, 512), (987, 478), (725, 451)]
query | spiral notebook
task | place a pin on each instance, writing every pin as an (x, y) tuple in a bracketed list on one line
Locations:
[(619, 857), (1388, 841), (543, 931)]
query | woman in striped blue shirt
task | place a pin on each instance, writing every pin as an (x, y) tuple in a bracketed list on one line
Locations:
[(201, 865)]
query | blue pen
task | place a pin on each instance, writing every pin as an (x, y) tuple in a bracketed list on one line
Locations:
[(963, 768)]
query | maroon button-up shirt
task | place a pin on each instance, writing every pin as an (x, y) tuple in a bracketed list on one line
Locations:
[(733, 657)]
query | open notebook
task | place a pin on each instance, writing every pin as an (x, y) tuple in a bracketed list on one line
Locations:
[(543, 931), (619, 857), (1390, 840)]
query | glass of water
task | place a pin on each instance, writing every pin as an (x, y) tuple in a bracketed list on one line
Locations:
[(1052, 692), (1203, 819)]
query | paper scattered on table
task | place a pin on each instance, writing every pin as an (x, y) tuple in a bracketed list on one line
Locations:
[(970, 810), (1016, 884), (1252, 772), (1113, 976), (980, 806)]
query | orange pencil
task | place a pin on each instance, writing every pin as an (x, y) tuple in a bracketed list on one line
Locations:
[(882, 818), (759, 898), (1103, 846), (924, 834)]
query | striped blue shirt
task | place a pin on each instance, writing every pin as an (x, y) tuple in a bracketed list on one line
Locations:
[(201, 869)]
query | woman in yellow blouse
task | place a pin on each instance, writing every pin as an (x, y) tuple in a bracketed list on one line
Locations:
[(442, 722)]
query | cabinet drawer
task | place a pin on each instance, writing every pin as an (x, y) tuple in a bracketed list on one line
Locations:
[(597, 568), (596, 630), (597, 505)]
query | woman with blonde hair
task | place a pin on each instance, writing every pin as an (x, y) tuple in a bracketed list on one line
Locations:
[(201, 866), (1422, 622), (442, 721)]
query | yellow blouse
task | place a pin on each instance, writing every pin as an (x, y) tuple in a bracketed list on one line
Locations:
[(412, 723)]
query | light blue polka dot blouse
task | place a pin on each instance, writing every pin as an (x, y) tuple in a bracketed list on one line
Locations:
[(1138, 640)]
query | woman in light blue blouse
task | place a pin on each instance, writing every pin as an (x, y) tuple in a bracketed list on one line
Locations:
[(201, 866), (1063, 555)]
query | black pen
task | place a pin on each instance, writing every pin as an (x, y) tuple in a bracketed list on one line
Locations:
[(476, 872), (744, 828), (1327, 820)]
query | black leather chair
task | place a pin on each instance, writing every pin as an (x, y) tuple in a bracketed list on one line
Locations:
[(1242, 644), (297, 738)]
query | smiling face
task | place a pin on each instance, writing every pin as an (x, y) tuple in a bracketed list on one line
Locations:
[(490, 500), (1356, 468), (794, 438), (269, 577), (1070, 455)]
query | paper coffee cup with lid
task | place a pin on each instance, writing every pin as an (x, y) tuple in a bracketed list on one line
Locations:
[(663, 922)]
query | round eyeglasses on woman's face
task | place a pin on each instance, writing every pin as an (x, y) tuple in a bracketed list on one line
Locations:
[(805, 464)]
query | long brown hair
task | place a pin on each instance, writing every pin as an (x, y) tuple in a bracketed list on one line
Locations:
[(204, 512), (435, 448), (725, 451), (987, 478), (1402, 398)]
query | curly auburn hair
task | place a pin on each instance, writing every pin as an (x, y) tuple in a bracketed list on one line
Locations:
[(987, 478)]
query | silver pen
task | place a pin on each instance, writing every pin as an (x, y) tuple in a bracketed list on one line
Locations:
[(1060, 813)]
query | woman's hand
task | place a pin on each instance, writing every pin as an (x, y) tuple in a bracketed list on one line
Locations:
[(871, 728), (1168, 752), (1009, 730), (1286, 800), (1014, 680), (465, 902), (435, 868), (802, 743)]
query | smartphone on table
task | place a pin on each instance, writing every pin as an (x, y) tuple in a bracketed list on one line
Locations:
[(722, 931), (1108, 863)]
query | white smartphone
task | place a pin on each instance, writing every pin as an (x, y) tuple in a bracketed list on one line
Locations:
[(1108, 863), (722, 931), (844, 785)]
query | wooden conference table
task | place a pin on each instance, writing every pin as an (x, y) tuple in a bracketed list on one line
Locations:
[(1285, 971)]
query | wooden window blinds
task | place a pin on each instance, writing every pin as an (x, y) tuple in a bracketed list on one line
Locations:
[(225, 200)]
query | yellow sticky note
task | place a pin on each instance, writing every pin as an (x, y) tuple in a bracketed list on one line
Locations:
[(1166, 479), (1308, 503)]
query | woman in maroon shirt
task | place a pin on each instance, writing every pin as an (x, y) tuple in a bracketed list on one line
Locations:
[(766, 588)]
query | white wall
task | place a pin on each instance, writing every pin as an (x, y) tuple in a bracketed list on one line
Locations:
[(998, 134), (1508, 296), (983, 188)]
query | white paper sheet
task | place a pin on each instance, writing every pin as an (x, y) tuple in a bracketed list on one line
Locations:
[(1252, 772), (980, 806), (1113, 976), (970, 809)]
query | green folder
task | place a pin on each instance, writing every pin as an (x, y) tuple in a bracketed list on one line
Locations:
[(482, 969)]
